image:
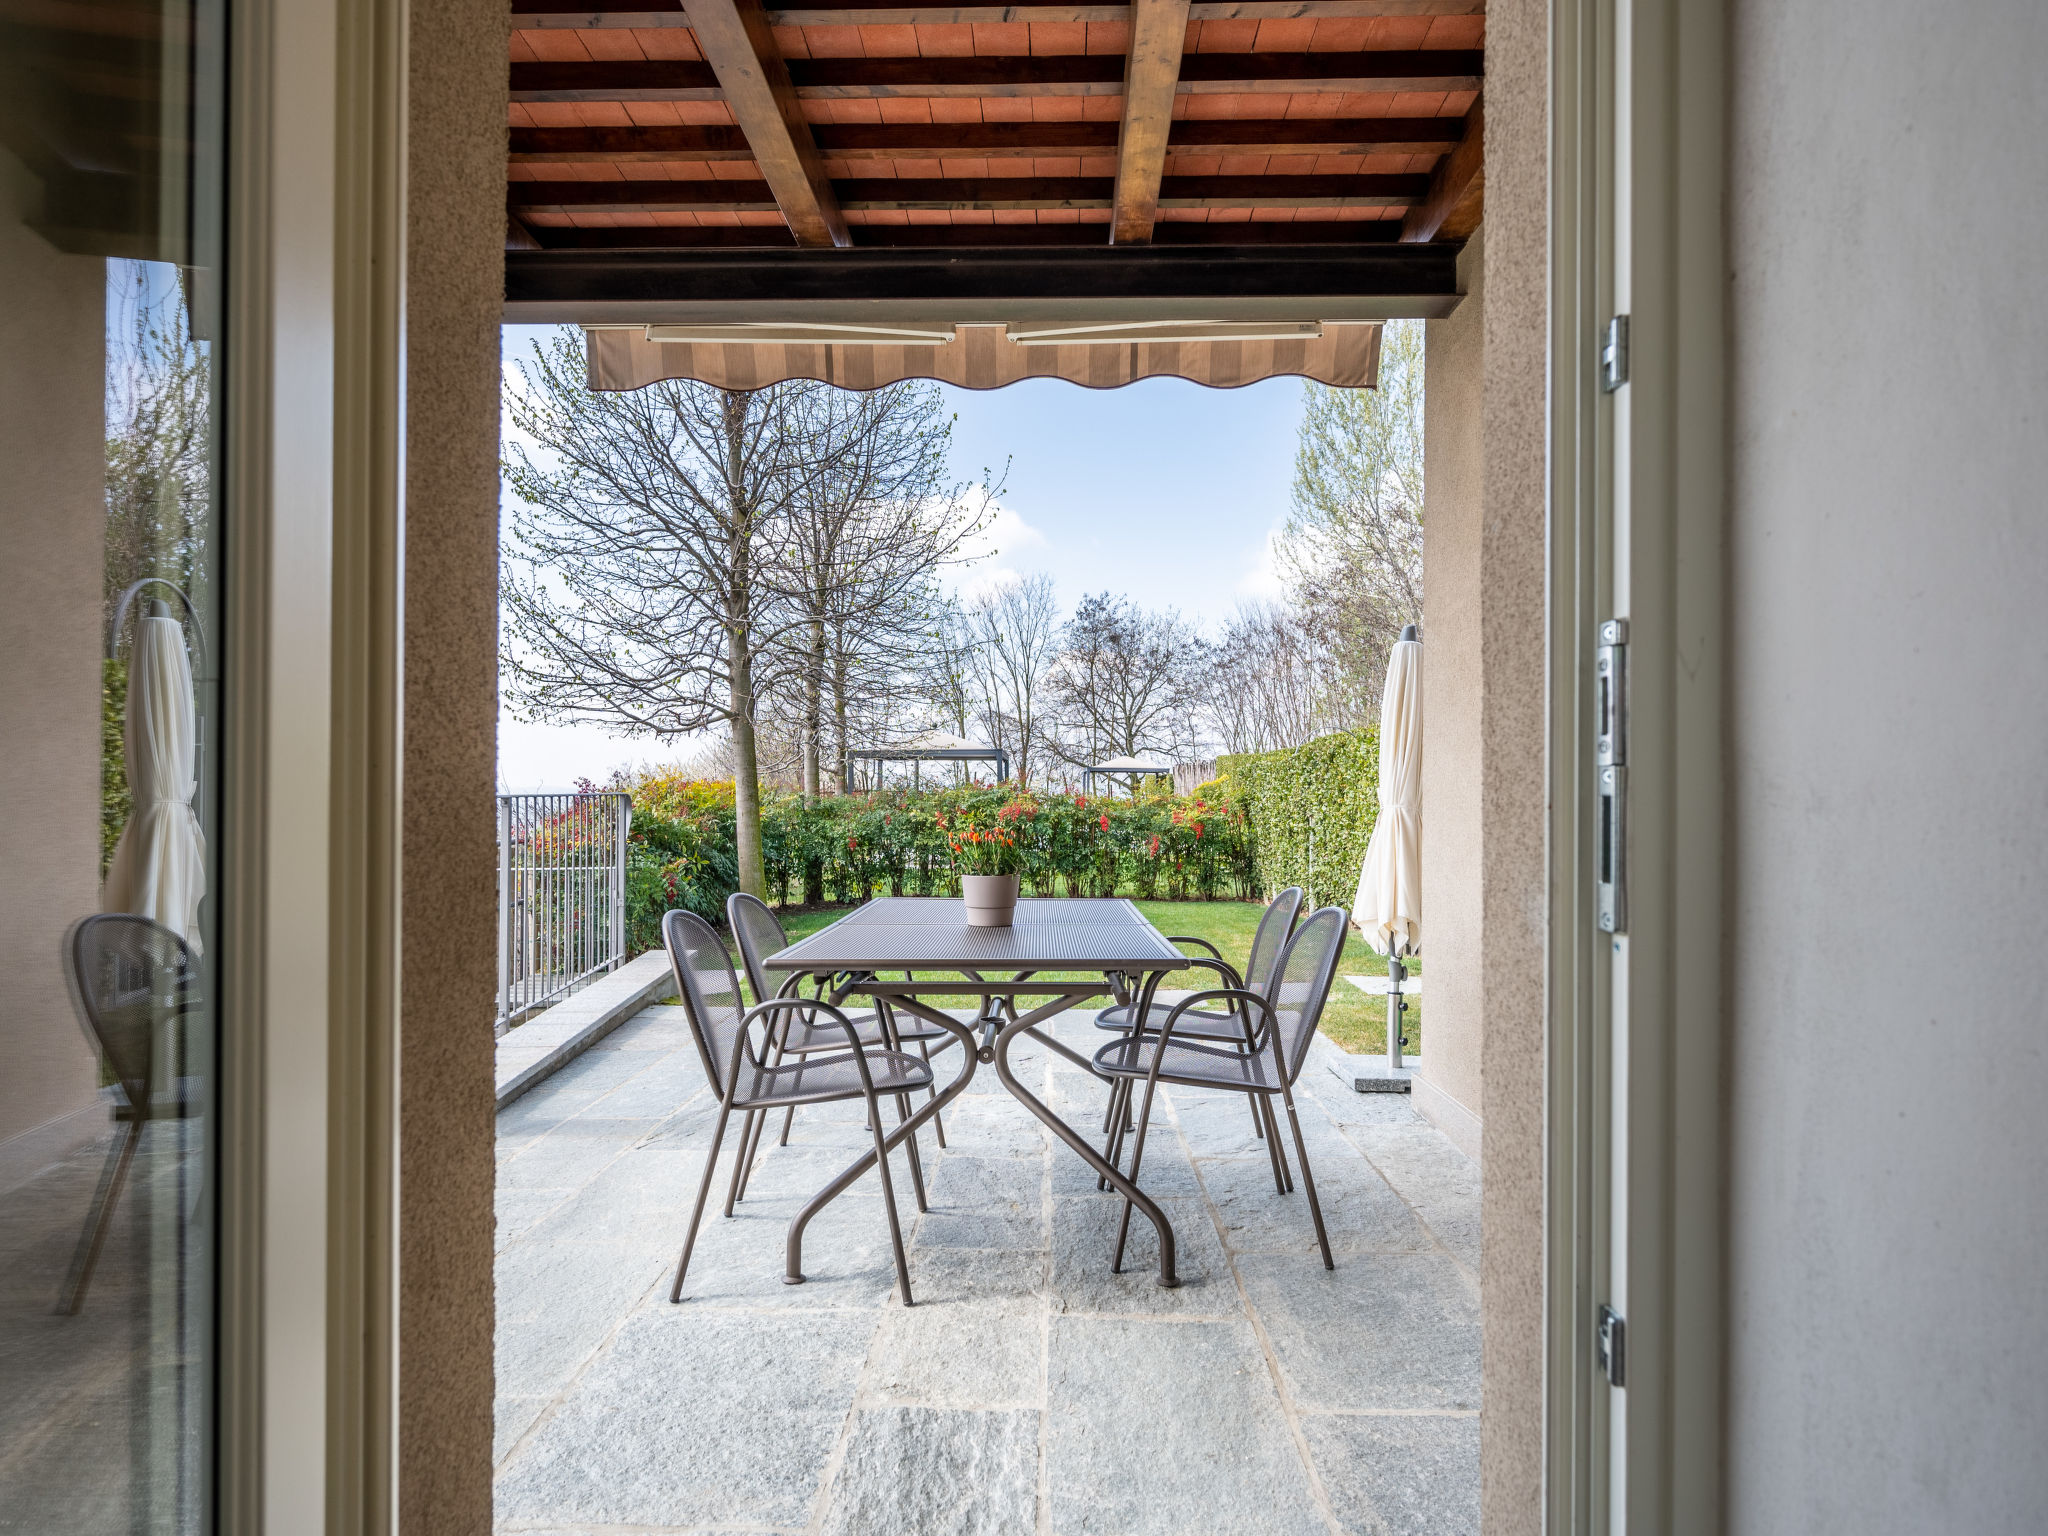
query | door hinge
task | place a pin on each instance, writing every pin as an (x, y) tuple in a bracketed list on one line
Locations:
[(1614, 355), (1610, 770), (1612, 1343)]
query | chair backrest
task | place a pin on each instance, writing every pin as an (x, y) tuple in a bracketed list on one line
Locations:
[(711, 992), (127, 975), (1276, 925), (1306, 971), (760, 935)]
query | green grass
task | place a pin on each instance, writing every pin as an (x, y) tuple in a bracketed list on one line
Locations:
[(1354, 1021)]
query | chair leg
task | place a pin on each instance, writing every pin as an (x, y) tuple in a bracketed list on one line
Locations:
[(739, 1169), (1123, 1231), (1113, 1141), (938, 1121), (1308, 1183), (1276, 1155), (895, 1043), (87, 1257), (675, 1292), (788, 1115), (1258, 1120), (889, 1200)]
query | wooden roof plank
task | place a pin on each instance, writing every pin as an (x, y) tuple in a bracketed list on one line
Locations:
[(1452, 208), (761, 237), (736, 38), (841, 13), (991, 141), (1159, 30), (1414, 70), (1341, 191)]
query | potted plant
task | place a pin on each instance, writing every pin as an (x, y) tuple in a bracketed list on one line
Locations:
[(989, 861)]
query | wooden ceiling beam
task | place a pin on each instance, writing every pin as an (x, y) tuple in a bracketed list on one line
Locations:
[(739, 44), (1159, 30), (880, 13), (1419, 69), (992, 141), (987, 192), (1451, 209), (644, 237)]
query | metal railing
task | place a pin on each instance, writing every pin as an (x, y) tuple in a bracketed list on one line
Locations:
[(561, 895)]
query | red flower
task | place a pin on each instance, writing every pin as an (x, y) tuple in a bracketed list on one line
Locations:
[(1080, 804), (1198, 829), (1199, 805), (851, 844), (1155, 845)]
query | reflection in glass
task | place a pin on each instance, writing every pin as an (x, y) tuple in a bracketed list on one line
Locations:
[(110, 239)]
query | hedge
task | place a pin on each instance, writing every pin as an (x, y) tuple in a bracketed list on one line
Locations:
[(1310, 810), (850, 847)]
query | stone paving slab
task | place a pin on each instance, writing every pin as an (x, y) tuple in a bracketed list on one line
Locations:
[(1029, 1390), (532, 1052)]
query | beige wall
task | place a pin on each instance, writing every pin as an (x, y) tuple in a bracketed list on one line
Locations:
[(52, 521), (455, 282), (1513, 897), (1447, 1087), (1888, 751)]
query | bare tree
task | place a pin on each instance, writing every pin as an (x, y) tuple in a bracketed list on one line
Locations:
[(870, 531), (1125, 681), (640, 593), (1273, 681), (1352, 548), (1013, 635)]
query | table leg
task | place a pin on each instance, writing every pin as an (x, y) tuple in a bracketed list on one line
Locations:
[(793, 1273), (1066, 1133)]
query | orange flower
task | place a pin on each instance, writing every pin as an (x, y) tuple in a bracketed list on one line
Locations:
[(1105, 821)]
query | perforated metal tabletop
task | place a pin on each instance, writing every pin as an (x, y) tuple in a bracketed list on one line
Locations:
[(909, 933)]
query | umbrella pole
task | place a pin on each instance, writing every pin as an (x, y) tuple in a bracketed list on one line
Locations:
[(1396, 1007)]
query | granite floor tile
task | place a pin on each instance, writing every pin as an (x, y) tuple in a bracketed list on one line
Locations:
[(975, 1337), (1380, 1331), (676, 1423), (1398, 1475), (937, 1472), (1169, 1428)]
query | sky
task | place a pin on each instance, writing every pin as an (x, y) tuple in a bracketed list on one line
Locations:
[(1163, 490)]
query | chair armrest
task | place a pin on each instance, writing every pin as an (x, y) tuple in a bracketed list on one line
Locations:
[(1232, 983), (1188, 938), (817, 1011), (1238, 997)]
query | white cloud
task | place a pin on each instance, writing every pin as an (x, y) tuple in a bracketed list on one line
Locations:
[(1262, 578), (988, 557)]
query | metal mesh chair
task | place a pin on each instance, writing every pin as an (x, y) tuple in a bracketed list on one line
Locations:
[(130, 978), (743, 1075), (1233, 1025), (1287, 1013), (760, 935)]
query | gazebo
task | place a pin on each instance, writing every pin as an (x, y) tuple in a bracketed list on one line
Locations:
[(1128, 769), (937, 747)]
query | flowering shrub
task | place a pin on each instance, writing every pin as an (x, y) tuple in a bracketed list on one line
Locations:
[(851, 847)]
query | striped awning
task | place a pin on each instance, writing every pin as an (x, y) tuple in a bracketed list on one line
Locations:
[(984, 357)]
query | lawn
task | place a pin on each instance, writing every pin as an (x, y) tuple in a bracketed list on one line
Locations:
[(1353, 1020)]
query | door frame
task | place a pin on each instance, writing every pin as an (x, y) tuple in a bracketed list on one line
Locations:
[(1635, 1157)]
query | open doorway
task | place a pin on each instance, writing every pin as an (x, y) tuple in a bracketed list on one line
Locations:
[(1210, 606)]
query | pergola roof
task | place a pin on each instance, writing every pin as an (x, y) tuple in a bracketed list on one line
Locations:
[(1128, 765), (662, 159), (932, 746)]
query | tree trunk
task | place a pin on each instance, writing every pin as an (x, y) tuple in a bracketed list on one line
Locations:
[(842, 746), (814, 721), (746, 778)]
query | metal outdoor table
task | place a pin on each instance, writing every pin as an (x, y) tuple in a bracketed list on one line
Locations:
[(1108, 939)]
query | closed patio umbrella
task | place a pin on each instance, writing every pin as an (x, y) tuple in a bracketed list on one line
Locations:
[(159, 865), (1389, 904)]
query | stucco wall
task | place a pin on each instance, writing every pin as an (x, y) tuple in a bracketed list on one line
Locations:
[(1888, 748), (455, 290), (52, 521), (1512, 803), (1453, 841)]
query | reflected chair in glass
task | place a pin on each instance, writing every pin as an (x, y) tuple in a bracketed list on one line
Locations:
[(760, 935), (745, 1079), (1267, 1066), (134, 984), (1234, 1025)]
